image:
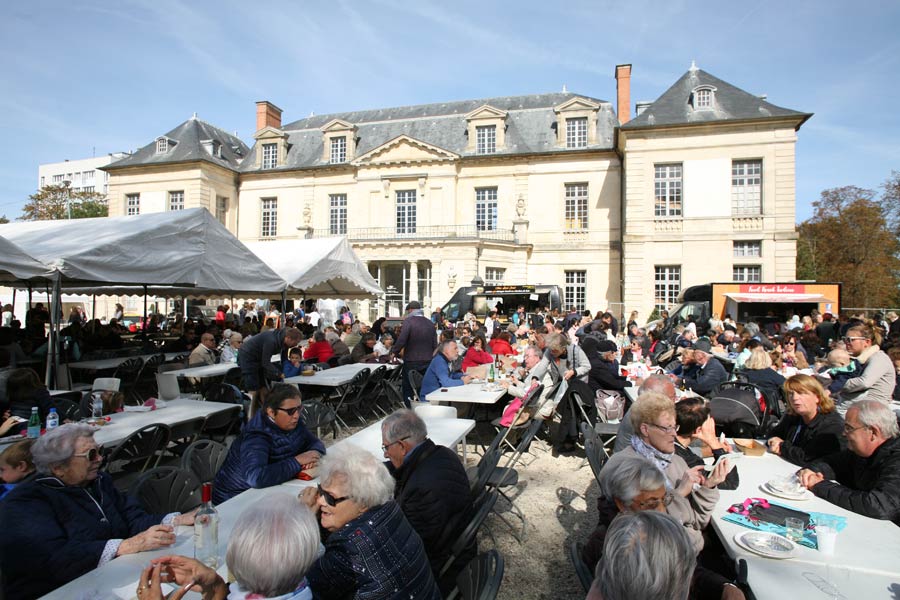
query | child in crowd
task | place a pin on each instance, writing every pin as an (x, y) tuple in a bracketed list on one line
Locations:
[(841, 367), (16, 465), (294, 365)]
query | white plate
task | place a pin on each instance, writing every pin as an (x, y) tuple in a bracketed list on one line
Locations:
[(766, 544), (804, 495)]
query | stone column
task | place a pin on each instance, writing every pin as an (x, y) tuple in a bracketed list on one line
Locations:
[(413, 281)]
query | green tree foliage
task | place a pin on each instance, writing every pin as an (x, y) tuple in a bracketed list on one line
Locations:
[(49, 202), (3, 220), (849, 239)]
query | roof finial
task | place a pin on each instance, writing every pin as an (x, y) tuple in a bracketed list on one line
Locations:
[(693, 65), (194, 116), (564, 89)]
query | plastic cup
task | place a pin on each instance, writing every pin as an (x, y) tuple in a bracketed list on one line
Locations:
[(826, 537)]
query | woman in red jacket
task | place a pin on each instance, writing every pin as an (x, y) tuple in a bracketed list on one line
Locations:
[(319, 350), (500, 344), (476, 355)]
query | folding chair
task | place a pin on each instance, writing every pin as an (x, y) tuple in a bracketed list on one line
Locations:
[(481, 578), (316, 415), (594, 450), (128, 373), (372, 392), (351, 397), (483, 507), (138, 452), (585, 577), (165, 490), (218, 425), (415, 381), (204, 458)]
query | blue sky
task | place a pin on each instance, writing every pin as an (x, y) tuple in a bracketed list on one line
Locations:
[(94, 76)]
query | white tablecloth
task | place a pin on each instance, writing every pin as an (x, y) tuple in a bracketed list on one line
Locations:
[(335, 377), (470, 392), (112, 363), (124, 424)]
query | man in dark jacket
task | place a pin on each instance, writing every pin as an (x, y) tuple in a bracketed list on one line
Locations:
[(255, 359), (711, 372), (432, 490), (417, 341), (864, 478), (273, 447)]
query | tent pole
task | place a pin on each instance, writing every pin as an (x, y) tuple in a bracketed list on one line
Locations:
[(14, 301), (283, 305), (52, 340), (144, 322), (93, 306)]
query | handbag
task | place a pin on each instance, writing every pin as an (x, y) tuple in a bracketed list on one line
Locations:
[(610, 405), (759, 509)]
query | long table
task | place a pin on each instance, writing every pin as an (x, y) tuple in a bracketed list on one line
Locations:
[(123, 424), (469, 392), (126, 569), (867, 548), (111, 363), (337, 376)]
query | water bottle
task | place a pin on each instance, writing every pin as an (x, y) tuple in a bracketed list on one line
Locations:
[(206, 531), (34, 424), (96, 405), (52, 420)]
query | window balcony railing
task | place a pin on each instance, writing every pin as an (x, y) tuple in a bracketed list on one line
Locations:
[(427, 232)]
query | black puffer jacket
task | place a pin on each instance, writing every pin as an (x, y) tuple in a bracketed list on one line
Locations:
[(868, 486), (803, 444), (433, 491)]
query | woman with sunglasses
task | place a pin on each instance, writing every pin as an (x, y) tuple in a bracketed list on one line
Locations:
[(273, 447), (70, 518), (371, 550), (878, 375)]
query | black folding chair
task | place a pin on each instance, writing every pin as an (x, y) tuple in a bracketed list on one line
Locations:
[(415, 380), (594, 449), (481, 578), (351, 397), (183, 435), (393, 395), (316, 415), (138, 452), (372, 393), (483, 506), (146, 381), (581, 569), (128, 373), (204, 458), (166, 490), (218, 425)]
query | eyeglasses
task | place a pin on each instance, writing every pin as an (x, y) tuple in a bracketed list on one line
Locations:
[(92, 455), (654, 503), (667, 430), (848, 339), (330, 500), (848, 429), (789, 343), (289, 411), (386, 446)]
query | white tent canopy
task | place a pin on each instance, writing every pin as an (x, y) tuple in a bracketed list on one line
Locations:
[(181, 251), (321, 267), (16, 265)]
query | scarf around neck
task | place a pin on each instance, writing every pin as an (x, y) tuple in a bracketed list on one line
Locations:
[(235, 592), (660, 459)]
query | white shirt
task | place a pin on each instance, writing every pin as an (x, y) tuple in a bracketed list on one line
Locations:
[(314, 318)]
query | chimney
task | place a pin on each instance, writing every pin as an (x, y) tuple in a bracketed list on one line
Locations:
[(623, 93), (267, 115)]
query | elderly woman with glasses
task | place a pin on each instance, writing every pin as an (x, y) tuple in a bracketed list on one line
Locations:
[(70, 518), (230, 349), (273, 447), (371, 550), (812, 428), (270, 550), (877, 380), (653, 420)]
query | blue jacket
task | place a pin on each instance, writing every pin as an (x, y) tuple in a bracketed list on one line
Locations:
[(262, 456), (376, 556), (438, 375), (53, 533)]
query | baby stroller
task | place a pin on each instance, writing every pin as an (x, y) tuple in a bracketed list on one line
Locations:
[(735, 407)]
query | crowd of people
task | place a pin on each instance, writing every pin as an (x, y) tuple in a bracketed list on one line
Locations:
[(373, 529)]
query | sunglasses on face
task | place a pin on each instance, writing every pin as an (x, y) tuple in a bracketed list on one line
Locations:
[(330, 500), (92, 455), (654, 503), (289, 411)]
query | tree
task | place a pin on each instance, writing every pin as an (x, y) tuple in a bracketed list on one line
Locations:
[(890, 202), (849, 239), (3, 220), (49, 202)]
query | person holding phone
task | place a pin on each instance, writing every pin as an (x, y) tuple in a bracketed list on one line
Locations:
[(695, 423)]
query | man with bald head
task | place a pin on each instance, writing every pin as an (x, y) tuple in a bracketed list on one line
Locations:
[(654, 383), (205, 352)]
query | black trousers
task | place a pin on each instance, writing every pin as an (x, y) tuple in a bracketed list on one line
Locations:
[(578, 393)]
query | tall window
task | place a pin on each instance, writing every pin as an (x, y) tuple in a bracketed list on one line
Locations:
[(486, 209), (221, 209), (132, 204), (575, 293), (745, 249), (42, 181), (162, 145), (746, 187), (747, 273), (485, 139), (337, 219), (270, 156), (576, 132), (667, 190), (576, 206), (703, 99), (87, 176), (406, 211), (176, 200), (338, 149), (58, 178), (268, 217), (666, 286), (494, 276)]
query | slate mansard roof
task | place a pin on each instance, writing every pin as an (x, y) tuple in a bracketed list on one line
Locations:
[(730, 103), (186, 144), (530, 128)]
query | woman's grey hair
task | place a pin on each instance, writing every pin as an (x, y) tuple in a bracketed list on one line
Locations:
[(366, 479), (404, 423), (273, 545), (628, 478), (647, 554), (872, 413), (56, 448)]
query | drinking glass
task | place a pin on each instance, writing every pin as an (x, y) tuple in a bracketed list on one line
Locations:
[(794, 528)]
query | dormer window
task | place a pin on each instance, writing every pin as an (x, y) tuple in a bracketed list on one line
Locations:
[(576, 123), (162, 145), (338, 142), (338, 149), (703, 97), (212, 147), (486, 130)]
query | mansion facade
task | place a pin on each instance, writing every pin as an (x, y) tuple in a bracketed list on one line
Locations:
[(557, 188)]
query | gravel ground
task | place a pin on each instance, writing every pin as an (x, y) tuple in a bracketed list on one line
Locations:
[(559, 498)]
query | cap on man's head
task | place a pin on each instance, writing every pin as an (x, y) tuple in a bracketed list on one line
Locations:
[(606, 346), (703, 345), (414, 305)]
